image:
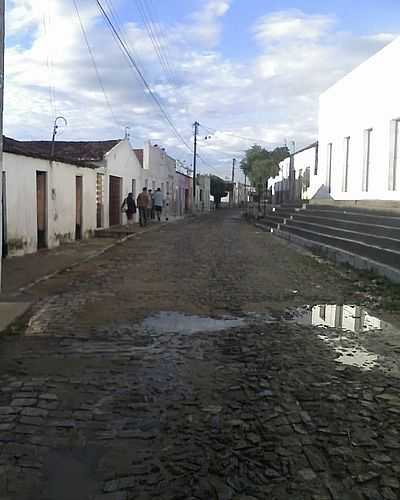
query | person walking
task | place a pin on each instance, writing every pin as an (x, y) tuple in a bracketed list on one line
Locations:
[(158, 203), (143, 203), (150, 208), (129, 207), (167, 204)]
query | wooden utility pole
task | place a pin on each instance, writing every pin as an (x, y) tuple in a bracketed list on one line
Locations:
[(196, 131), (233, 180), (2, 30)]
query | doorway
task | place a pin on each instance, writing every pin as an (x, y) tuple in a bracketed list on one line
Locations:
[(115, 200), (78, 220), (41, 197), (187, 203), (4, 215), (99, 200)]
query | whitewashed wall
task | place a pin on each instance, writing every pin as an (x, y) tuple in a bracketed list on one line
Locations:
[(366, 98), (203, 193), (303, 161), (121, 162), (61, 202), (159, 171)]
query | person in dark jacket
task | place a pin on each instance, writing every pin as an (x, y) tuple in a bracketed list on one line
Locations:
[(129, 207)]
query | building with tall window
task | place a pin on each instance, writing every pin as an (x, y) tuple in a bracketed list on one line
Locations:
[(359, 135)]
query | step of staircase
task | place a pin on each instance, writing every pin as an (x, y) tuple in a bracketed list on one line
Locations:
[(386, 256), (369, 238), (363, 227)]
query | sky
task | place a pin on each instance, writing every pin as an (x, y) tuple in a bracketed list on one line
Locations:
[(249, 71)]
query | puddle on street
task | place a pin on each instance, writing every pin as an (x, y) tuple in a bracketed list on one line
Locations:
[(174, 322), (353, 320), (349, 318)]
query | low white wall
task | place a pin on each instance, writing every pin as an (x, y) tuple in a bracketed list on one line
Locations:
[(61, 202)]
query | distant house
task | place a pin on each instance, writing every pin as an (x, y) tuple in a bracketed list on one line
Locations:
[(50, 200), (295, 181), (159, 170), (203, 193), (184, 193)]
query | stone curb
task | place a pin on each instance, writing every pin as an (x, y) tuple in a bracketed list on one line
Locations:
[(90, 257), (337, 255)]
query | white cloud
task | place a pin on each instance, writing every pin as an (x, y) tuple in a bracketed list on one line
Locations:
[(272, 96), (292, 24)]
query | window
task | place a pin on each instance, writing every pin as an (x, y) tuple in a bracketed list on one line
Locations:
[(367, 159), (346, 164), (146, 183), (134, 188), (153, 184), (394, 154), (329, 167), (316, 161)]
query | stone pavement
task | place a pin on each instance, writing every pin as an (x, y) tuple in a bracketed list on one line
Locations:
[(173, 367), (19, 272)]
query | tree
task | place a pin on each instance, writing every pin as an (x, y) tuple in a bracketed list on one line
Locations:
[(259, 165), (219, 189)]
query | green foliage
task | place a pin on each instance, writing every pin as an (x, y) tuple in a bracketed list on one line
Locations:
[(259, 164), (218, 189)]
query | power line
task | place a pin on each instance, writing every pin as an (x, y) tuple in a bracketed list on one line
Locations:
[(49, 63), (149, 26), (155, 36), (99, 79), (120, 27), (251, 139), (135, 66)]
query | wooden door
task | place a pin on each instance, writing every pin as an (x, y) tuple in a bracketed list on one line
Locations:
[(41, 197), (100, 200), (115, 200), (4, 215), (79, 201)]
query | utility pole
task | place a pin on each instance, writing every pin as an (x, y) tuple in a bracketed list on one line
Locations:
[(2, 30), (196, 131), (233, 180)]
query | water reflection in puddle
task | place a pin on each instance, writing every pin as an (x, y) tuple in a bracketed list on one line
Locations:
[(354, 320), (173, 322), (342, 317)]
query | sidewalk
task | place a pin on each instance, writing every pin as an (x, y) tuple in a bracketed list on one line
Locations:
[(20, 273)]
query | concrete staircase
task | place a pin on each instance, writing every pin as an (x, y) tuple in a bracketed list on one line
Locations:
[(364, 238)]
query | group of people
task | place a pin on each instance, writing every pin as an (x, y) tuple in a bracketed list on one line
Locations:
[(148, 203)]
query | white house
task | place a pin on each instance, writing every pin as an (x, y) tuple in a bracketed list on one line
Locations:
[(296, 173), (120, 172), (50, 200), (45, 202), (159, 171), (359, 134), (203, 193)]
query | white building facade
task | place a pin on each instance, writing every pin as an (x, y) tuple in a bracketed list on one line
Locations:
[(49, 201), (296, 178), (46, 203), (119, 173), (203, 193), (359, 133)]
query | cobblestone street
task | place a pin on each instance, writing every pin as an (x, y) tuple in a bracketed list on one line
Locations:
[(182, 365)]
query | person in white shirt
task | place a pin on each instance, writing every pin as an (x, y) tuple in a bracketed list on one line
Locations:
[(158, 201)]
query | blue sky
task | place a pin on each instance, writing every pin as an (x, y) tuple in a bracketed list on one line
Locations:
[(244, 68)]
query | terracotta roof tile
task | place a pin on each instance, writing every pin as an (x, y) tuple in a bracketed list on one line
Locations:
[(69, 151)]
